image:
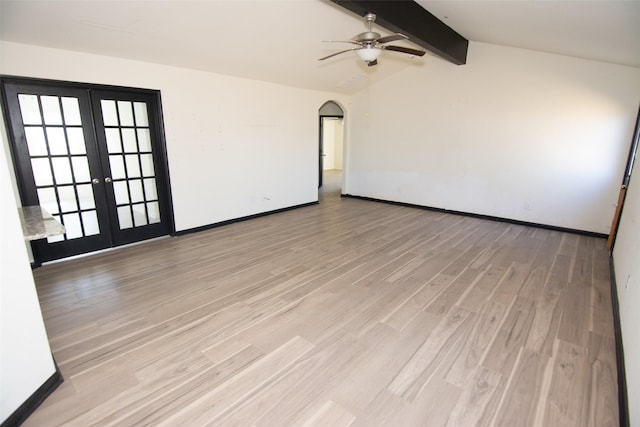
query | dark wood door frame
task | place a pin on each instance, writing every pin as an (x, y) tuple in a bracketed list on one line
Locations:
[(155, 116), (321, 145)]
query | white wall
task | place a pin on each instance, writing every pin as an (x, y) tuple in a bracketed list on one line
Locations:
[(25, 357), (236, 147), (626, 256), (513, 133)]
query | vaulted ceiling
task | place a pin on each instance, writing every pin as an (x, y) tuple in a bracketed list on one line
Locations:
[(280, 40)]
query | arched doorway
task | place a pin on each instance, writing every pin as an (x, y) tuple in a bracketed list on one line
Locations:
[(331, 143)]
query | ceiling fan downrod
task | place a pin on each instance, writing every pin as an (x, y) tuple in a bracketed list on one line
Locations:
[(369, 36)]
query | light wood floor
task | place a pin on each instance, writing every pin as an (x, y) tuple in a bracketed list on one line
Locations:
[(345, 313)]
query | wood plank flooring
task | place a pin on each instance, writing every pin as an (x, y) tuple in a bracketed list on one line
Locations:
[(348, 313)]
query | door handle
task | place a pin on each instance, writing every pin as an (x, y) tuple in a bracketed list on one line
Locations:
[(95, 181), (107, 179)]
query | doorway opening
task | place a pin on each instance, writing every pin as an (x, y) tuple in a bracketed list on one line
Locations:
[(633, 152), (94, 158), (331, 148)]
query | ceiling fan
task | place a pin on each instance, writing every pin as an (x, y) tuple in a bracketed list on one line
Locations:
[(370, 44)]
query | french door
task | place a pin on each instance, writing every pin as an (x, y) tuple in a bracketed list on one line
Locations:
[(633, 154), (93, 158)]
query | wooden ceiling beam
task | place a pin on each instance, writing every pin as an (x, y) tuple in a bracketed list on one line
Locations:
[(411, 19)]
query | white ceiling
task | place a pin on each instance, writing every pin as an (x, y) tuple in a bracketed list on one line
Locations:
[(604, 30), (280, 40)]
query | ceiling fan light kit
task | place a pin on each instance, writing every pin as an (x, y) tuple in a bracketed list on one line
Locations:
[(368, 54), (371, 44)]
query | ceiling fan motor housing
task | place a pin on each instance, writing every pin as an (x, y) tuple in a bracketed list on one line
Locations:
[(368, 36)]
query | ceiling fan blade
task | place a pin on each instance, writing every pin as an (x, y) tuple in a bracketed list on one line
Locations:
[(372, 63), (337, 53), (341, 41), (392, 38), (406, 50)]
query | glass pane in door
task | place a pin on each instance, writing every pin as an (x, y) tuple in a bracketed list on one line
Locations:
[(57, 151), (127, 132)]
